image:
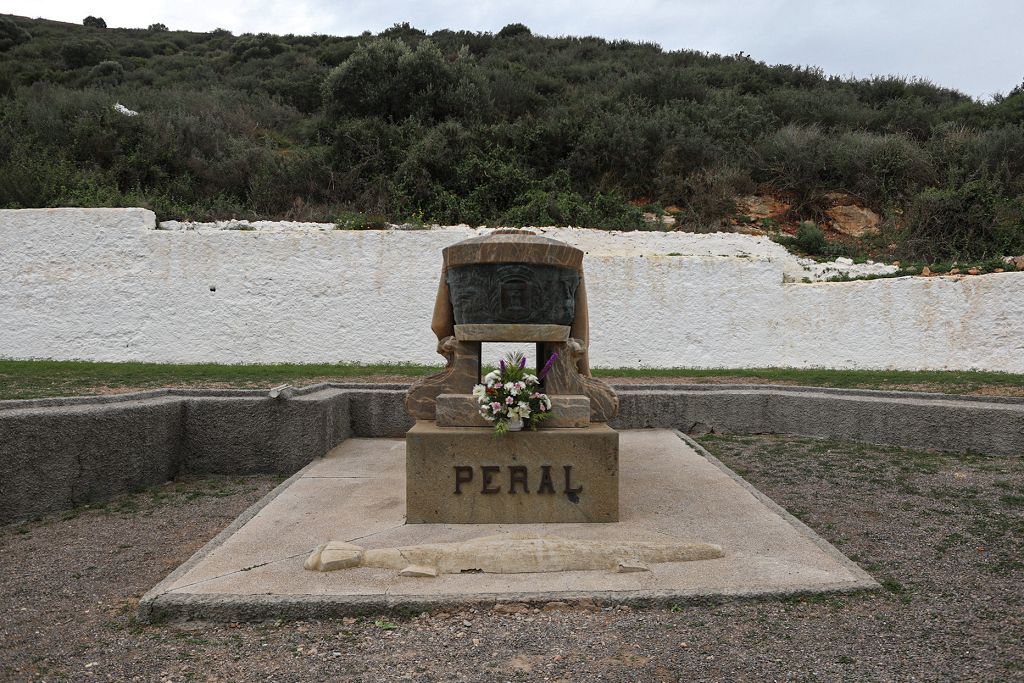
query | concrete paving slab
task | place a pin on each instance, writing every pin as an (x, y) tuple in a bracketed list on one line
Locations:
[(671, 490)]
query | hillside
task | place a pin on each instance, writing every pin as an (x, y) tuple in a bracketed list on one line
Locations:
[(511, 128)]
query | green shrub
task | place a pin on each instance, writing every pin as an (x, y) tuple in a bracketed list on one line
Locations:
[(106, 73), (386, 78), (810, 239), (794, 160), (94, 22), (85, 52), (259, 46), (968, 222), (11, 34)]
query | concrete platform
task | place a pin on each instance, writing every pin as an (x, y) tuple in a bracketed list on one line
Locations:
[(669, 491)]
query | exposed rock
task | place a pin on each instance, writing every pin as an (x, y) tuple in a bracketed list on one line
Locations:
[(926, 271), (839, 199), (853, 221), (954, 271), (972, 271), (511, 608), (555, 606), (842, 267), (760, 206)]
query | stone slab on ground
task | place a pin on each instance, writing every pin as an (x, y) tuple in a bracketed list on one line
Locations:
[(669, 492)]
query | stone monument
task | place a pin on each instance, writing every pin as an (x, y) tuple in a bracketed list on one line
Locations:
[(512, 286)]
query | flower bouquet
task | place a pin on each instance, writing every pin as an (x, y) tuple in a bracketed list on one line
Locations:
[(509, 396)]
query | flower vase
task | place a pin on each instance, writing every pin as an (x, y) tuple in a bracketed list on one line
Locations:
[(515, 424)]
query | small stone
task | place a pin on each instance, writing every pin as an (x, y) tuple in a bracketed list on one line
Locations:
[(997, 270), (630, 566), (349, 621), (954, 271), (926, 271), (972, 271), (476, 642), (419, 570), (467, 623)]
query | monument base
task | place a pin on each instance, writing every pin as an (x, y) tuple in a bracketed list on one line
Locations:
[(467, 475)]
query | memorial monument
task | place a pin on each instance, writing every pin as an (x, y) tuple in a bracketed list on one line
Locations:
[(512, 286)]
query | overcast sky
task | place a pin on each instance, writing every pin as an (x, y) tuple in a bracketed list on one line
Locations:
[(975, 47)]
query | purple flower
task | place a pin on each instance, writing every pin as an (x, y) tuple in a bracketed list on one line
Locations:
[(502, 363), (522, 362), (547, 366)]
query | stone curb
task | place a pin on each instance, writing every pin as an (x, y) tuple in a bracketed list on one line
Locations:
[(62, 452)]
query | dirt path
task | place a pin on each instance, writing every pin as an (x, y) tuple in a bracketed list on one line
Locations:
[(944, 534)]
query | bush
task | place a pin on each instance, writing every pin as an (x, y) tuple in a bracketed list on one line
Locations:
[(810, 239), (106, 73), (970, 221), (260, 46), (157, 28), (86, 52), (565, 207), (706, 195), (794, 160), (94, 22), (386, 78), (11, 34), (879, 169)]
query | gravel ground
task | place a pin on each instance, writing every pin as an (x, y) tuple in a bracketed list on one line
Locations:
[(944, 534)]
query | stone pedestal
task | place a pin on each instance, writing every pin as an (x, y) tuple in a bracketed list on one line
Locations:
[(466, 475)]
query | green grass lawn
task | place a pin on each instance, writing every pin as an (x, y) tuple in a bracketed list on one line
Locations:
[(40, 378)]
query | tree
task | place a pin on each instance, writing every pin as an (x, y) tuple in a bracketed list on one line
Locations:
[(513, 30), (157, 28), (94, 22)]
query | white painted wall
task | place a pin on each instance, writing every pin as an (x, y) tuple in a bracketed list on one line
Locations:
[(104, 284)]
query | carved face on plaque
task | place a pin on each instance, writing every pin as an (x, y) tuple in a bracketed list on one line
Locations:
[(515, 299)]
